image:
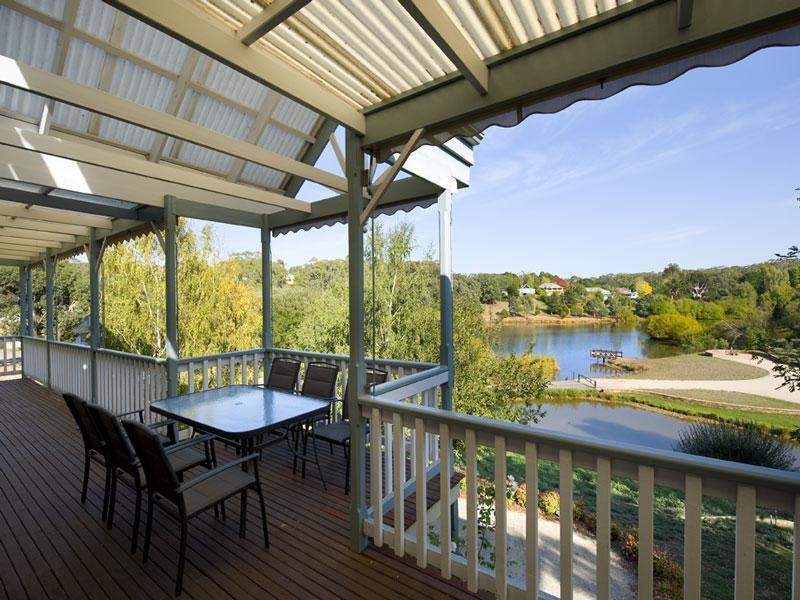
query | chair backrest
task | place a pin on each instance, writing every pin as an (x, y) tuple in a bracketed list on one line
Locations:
[(91, 437), (118, 448), (320, 380), (283, 373), (374, 377), (161, 478)]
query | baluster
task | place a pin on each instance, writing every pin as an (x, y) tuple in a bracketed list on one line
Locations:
[(399, 482), (191, 377), (444, 500), (388, 443), (796, 550), (5, 357), (219, 373), (531, 522), (692, 536), (603, 527), (472, 511), (375, 476), (744, 580), (422, 495), (565, 491), (646, 509), (205, 375), (500, 508), (232, 373)]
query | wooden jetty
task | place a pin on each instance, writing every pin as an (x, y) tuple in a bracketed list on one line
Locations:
[(606, 354)]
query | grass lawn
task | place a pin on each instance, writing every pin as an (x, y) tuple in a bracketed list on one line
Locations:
[(773, 543), (693, 367), (733, 398)]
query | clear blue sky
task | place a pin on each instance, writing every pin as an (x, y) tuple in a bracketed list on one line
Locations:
[(700, 171)]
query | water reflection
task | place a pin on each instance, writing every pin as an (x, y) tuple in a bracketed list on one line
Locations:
[(571, 345)]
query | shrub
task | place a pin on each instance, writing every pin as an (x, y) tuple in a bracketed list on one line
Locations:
[(672, 327), (739, 442), (521, 496), (549, 502), (590, 520), (578, 511), (630, 545), (616, 531)]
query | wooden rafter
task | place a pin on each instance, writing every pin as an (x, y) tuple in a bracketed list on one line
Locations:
[(268, 19), (256, 131), (49, 215)]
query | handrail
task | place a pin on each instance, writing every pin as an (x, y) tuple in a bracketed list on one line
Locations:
[(409, 385), (120, 353), (739, 473)]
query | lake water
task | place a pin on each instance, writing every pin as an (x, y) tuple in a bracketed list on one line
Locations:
[(571, 345)]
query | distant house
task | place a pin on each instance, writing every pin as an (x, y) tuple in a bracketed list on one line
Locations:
[(632, 294), (562, 282), (527, 291), (551, 288), (598, 290)]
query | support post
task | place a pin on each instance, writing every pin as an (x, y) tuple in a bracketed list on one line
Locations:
[(266, 284), (357, 373), (29, 301), (49, 278), (94, 301), (171, 279), (23, 301)]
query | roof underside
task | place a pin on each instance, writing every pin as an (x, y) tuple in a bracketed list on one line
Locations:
[(228, 104)]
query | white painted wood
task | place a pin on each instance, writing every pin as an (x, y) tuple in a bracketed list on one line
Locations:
[(565, 488), (399, 481), (269, 18), (531, 522), (646, 509), (603, 528), (796, 550), (692, 538), (500, 517), (472, 510), (421, 494), (744, 584), (444, 491), (376, 475), (388, 443)]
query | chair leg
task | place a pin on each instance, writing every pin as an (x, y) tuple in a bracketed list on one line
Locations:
[(136, 518), (181, 557), (243, 515), (106, 492), (112, 499), (263, 514), (87, 465), (148, 528), (347, 468)]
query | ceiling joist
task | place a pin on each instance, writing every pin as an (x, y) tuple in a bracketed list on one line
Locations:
[(13, 209), (191, 27), (446, 35), (268, 19), (43, 83), (685, 13), (27, 234), (43, 226)]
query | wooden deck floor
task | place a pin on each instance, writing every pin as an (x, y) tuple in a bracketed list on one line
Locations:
[(51, 546)]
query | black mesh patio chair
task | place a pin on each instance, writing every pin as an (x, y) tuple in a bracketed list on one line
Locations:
[(123, 463), (184, 500), (283, 374), (320, 380), (93, 447), (338, 433)]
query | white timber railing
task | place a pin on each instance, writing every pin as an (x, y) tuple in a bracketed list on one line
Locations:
[(70, 368), (12, 355), (400, 430), (34, 358)]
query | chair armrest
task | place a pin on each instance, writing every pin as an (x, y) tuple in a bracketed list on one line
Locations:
[(216, 471), (139, 411), (189, 443), (164, 423)]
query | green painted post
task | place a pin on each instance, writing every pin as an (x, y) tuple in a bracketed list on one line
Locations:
[(357, 373), (29, 302), (49, 278), (171, 278), (266, 284), (94, 301)]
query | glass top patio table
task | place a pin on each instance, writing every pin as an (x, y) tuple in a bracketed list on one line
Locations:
[(240, 411)]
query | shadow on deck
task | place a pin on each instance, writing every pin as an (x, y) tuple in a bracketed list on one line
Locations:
[(53, 547)]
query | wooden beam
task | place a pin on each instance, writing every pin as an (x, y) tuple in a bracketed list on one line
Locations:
[(14, 209), (17, 256), (312, 153), (50, 226), (388, 176), (14, 136), (27, 234), (193, 28), (24, 250), (632, 38), (446, 35), (268, 19), (256, 131), (25, 77), (29, 243), (685, 8)]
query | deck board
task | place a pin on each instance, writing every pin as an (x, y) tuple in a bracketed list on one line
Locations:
[(51, 546)]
